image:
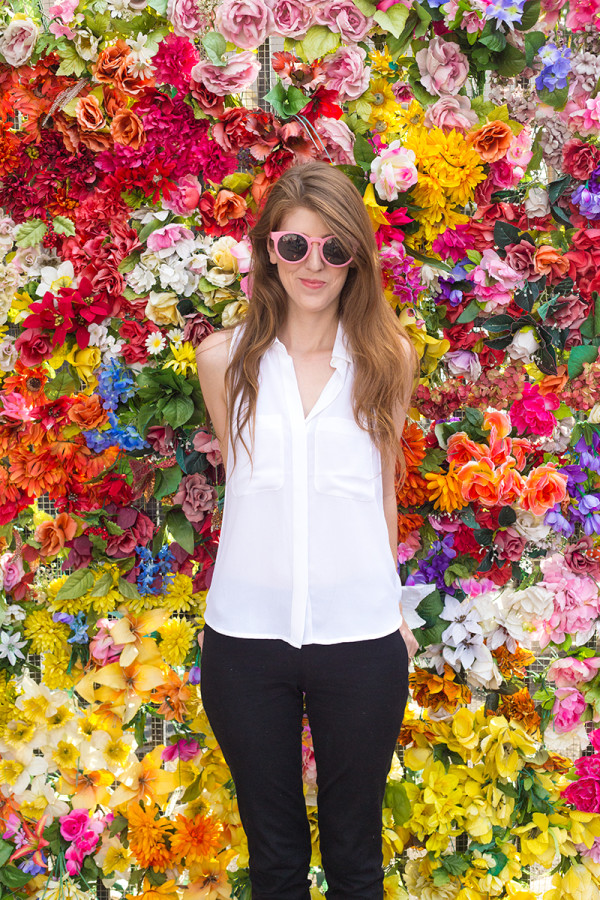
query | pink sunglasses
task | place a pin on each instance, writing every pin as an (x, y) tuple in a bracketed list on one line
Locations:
[(294, 247)]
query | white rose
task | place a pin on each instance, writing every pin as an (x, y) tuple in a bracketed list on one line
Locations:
[(220, 277), (221, 256), (18, 40), (531, 527), (8, 356), (594, 414), (140, 279), (234, 313), (537, 204), (161, 308), (571, 744), (523, 345)]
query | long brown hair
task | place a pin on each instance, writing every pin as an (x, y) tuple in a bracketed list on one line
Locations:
[(385, 362)]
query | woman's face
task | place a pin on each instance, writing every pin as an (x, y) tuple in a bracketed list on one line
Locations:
[(311, 285)]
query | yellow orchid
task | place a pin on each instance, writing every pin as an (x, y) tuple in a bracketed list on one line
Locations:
[(576, 884), (87, 790), (144, 779), (130, 630), (501, 745), (375, 211)]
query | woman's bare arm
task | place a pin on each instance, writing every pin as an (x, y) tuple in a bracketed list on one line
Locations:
[(212, 357)]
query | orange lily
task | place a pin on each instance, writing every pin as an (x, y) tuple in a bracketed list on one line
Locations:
[(172, 694), (35, 844), (145, 780), (87, 789), (125, 688), (130, 631)]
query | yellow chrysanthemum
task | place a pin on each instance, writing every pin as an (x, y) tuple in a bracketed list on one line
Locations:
[(381, 61), (184, 359), (44, 633), (146, 835), (178, 597), (55, 666), (106, 604), (177, 637), (8, 695), (444, 489)]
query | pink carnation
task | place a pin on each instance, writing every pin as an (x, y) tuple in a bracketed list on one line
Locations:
[(246, 23), (166, 238), (533, 412), (584, 794), (582, 13), (568, 709)]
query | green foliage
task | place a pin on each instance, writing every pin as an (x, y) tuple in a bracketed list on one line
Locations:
[(30, 233), (76, 585), (286, 102)]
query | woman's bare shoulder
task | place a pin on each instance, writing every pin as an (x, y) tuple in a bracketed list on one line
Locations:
[(213, 353)]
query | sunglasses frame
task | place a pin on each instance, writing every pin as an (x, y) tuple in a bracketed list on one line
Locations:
[(276, 235)]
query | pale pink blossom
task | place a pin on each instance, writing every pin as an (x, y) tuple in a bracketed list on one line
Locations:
[(292, 18), (451, 114), (204, 442), (346, 73), (184, 195), (186, 17), (246, 23), (393, 171), (18, 40), (443, 67), (337, 139), (572, 671), (344, 17), (568, 709), (239, 72)]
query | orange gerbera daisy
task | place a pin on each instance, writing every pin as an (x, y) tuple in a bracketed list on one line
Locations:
[(444, 490), (407, 523), (36, 474), (27, 382), (520, 707), (413, 445), (513, 663), (414, 490), (195, 839), (432, 691), (173, 695), (147, 837)]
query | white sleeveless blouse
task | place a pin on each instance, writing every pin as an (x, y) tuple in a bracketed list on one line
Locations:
[(304, 552)]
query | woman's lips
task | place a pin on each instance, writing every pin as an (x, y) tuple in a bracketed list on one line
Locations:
[(311, 284)]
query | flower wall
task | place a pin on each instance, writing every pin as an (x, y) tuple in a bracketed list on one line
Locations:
[(134, 156)]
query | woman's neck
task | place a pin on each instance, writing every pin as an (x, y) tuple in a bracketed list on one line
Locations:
[(304, 334)]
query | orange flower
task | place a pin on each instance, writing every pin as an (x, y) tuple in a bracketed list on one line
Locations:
[(127, 687), (112, 99), (146, 835), (557, 763), (416, 731), (145, 780), (54, 535), (491, 140), (37, 474), (88, 113), (521, 449), (432, 691), (548, 261), (8, 492), (88, 412), (27, 382), (166, 891), (127, 128), (228, 205), (513, 663), (511, 483), (444, 490), (413, 445), (407, 523), (498, 420), (480, 481), (553, 384), (543, 488), (461, 449), (173, 693), (195, 839), (112, 60), (86, 789), (519, 707), (414, 490)]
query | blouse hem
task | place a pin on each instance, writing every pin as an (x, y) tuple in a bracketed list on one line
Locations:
[(281, 637)]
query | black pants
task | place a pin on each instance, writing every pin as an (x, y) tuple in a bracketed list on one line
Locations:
[(252, 690)]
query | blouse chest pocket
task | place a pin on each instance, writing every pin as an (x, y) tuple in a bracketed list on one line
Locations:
[(265, 472), (344, 460)]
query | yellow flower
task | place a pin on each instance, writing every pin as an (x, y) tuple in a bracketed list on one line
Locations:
[(65, 755), (444, 490), (177, 638), (44, 633), (375, 211), (503, 746), (85, 362), (384, 105), (429, 349), (184, 359), (178, 596), (117, 859), (55, 664), (166, 891), (380, 61)]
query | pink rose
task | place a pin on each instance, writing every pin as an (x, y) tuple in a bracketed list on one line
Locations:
[(584, 794), (510, 544), (571, 671), (338, 140), (204, 442), (503, 175), (451, 114), (11, 570), (246, 23), (519, 153), (499, 270), (572, 312), (577, 559), (196, 496), (165, 238), (520, 258), (444, 69), (186, 17), (292, 18), (33, 346), (74, 824), (346, 73), (342, 16), (196, 328), (393, 171), (238, 74), (18, 41), (569, 706)]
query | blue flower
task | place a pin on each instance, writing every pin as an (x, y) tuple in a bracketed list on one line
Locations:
[(557, 65), (557, 522), (506, 11)]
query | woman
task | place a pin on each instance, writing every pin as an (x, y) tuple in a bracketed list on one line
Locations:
[(305, 598)]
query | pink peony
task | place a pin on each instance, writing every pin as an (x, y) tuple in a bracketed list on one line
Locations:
[(196, 496), (18, 40), (236, 75), (338, 140), (393, 171), (569, 706), (444, 69), (451, 114), (165, 238), (570, 671), (292, 18), (533, 412), (346, 73), (186, 17), (245, 23), (342, 16)]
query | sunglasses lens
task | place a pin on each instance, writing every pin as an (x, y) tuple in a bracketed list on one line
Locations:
[(334, 253), (292, 247)]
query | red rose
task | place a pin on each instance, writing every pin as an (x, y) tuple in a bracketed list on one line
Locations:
[(34, 347), (231, 131), (136, 334), (461, 337), (580, 159)]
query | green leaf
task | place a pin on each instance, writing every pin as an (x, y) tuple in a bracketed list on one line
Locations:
[(14, 878), (363, 152), (72, 63), (128, 590), (430, 608), (76, 585), (160, 6), (286, 103), (178, 410), (533, 42), (469, 314), (557, 98), (395, 798), (238, 182), (6, 850), (65, 382), (365, 6), (29, 233), (433, 461), (507, 516), (215, 46), (117, 825), (587, 353), (510, 62), (557, 188), (499, 323), (494, 41), (505, 233), (393, 19), (62, 225), (181, 529), (168, 481), (319, 40), (102, 586), (531, 13)]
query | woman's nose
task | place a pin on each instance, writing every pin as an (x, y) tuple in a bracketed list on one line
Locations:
[(314, 261)]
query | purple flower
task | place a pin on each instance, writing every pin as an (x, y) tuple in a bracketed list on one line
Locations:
[(555, 519), (575, 475), (507, 11)]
